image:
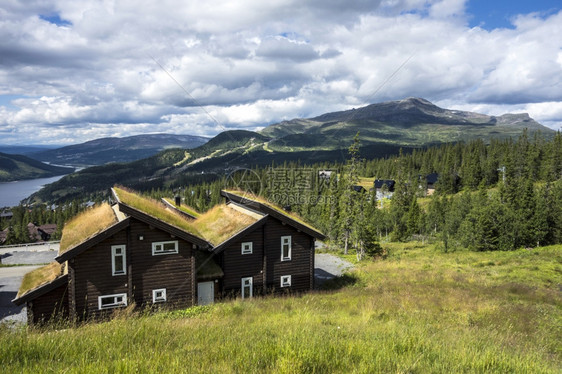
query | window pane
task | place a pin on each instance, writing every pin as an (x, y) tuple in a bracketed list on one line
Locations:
[(119, 266)]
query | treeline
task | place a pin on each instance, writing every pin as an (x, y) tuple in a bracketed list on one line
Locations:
[(465, 166), (500, 196), (511, 197), (40, 214)]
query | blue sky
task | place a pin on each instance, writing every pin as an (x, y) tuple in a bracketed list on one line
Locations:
[(75, 71), (492, 14)]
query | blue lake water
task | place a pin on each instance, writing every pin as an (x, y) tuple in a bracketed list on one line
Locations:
[(11, 193)]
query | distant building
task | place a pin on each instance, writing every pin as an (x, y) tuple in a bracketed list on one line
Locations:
[(384, 188), (3, 236), (41, 233), (431, 180), (359, 189), (325, 174), (381, 184), (6, 214)]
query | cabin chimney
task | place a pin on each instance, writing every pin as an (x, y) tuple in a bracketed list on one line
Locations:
[(178, 200)]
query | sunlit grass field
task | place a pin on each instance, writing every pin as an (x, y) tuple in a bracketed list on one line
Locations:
[(418, 311)]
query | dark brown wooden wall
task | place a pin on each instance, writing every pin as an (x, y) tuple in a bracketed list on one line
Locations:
[(145, 272), (92, 276), (170, 271), (300, 267), (236, 266), (53, 304)]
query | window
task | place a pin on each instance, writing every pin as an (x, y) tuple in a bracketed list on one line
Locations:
[(112, 301), (286, 281), (159, 296), (118, 260), (247, 248), (247, 287), (164, 248), (285, 248)]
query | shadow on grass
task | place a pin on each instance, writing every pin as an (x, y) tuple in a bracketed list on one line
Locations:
[(336, 283)]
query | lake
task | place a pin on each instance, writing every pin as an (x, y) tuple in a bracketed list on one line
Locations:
[(11, 193)]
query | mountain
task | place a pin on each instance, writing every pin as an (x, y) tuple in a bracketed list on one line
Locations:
[(23, 149), (409, 122), (127, 149), (384, 129), (18, 167)]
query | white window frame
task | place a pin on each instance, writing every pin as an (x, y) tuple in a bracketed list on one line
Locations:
[(251, 284), (159, 299), (288, 239), (115, 304), (157, 252), (247, 248), (114, 255), (285, 281)]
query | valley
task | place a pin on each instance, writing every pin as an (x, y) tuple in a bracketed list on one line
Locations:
[(384, 130)]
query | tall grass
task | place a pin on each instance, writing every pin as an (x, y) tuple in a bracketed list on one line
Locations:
[(155, 209), (86, 225), (419, 311), (37, 277), (222, 222)]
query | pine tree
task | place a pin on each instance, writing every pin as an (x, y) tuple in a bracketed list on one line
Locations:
[(348, 200)]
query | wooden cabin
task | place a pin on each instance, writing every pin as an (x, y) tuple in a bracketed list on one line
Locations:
[(145, 253)]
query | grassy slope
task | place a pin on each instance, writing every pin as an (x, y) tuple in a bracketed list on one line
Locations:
[(418, 311)]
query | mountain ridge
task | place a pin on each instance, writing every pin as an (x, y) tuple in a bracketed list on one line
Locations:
[(407, 114), (299, 140), (117, 149), (19, 167)]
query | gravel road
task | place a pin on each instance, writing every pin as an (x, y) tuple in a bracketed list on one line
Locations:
[(327, 266)]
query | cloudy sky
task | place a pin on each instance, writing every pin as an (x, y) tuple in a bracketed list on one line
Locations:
[(72, 71)]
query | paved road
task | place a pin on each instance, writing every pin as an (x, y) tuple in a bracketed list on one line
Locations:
[(11, 277), (10, 280), (327, 266), (28, 258), (33, 247)]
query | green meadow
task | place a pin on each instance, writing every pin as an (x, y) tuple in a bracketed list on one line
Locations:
[(417, 311)]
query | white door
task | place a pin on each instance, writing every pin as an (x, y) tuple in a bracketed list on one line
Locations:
[(247, 287), (205, 293)]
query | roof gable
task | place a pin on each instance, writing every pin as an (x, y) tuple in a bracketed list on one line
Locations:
[(89, 243), (222, 222), (260, 204), (39, 281), (86, 225)]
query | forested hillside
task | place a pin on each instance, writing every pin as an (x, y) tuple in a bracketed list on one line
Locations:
[(504, 195), (17, 167)]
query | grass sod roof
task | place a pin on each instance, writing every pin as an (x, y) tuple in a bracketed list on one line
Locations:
[(86, 225), (184, 208), (156, 209), (222, 222), (39, 277), (267, 203)]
